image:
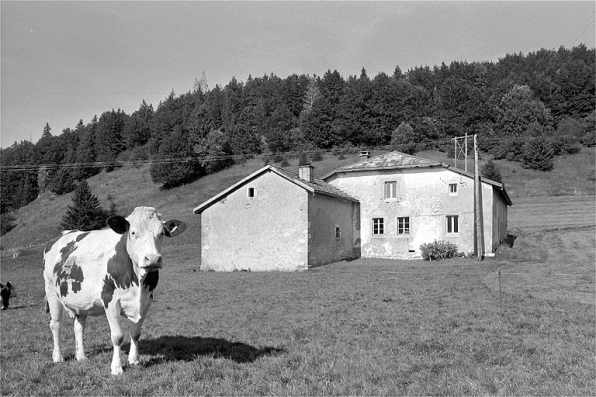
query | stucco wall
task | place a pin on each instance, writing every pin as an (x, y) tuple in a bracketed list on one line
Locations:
[(423, 196), (265, 233), (325, 214)]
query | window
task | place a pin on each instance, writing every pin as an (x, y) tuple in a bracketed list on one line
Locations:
[(390, 190), (453, 189), (251, 192), (378, 226), (403, 225), (452, 224), (337, 232)]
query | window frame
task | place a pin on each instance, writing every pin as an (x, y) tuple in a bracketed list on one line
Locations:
[(405, 228), (453, 192), (393, 190), (378, 227), (452, 222), (251, 192)]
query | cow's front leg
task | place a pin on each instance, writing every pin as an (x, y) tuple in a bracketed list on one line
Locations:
[(113, 315), (135, 334), (79, 330)]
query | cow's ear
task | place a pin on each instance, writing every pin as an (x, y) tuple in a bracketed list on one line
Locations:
[(174, 227), (118, 224)]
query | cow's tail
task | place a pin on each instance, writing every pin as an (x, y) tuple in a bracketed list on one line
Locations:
[(46, 305)]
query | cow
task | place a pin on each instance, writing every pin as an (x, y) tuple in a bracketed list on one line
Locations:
[(111, 272), (6, 291)]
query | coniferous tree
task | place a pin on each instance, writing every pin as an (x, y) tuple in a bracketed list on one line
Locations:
[(85, 213), (491, 171)]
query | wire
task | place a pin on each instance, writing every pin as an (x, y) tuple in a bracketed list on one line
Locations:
[(171, 160)]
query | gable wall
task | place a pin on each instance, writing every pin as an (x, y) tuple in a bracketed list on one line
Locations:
[(423, 196), (325, 214), (264, 233)]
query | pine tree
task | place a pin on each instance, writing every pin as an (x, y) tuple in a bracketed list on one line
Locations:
[(491, 171), (85, 213)]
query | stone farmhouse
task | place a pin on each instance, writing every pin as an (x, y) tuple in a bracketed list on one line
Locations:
[(275, 220), (406, 201), (380, 207)]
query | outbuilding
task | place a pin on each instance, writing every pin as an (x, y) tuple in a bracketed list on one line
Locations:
[(276, 220)]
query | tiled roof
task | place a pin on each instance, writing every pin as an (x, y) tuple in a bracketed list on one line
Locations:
[(318, 186), (387, 161)]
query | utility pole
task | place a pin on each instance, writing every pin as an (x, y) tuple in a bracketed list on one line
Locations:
[(478, 221), (461, 149)]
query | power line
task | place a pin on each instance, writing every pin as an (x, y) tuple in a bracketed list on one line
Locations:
[(171, 160)]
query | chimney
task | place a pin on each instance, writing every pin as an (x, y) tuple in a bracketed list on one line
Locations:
[(306, 173)]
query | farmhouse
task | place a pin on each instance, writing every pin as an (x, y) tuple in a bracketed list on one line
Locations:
[(406, 201), (277, 220)]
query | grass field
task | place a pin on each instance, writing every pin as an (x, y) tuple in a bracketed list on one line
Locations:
[(366, 327)]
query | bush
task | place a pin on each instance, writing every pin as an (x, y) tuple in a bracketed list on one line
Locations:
[(438, 250), (491, 171), (538, 154), (317, 155), (285, 162)]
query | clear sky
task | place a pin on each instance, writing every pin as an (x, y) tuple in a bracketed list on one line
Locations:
[(66, 61)]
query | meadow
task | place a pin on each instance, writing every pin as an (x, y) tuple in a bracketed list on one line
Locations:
[(521, 323)]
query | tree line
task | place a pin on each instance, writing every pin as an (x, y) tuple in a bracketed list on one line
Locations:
[(525, 107)]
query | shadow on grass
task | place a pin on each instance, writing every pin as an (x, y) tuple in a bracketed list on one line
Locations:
[(183, 348)]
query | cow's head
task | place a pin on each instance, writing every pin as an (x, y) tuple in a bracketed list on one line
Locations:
[(145, 230)]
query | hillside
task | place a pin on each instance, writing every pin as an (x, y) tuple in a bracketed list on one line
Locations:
[(132, 186)]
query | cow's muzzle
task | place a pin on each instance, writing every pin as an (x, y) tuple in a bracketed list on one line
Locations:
[(152, 262)]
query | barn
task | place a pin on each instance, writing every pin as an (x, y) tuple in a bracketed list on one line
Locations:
[(406, 201), (276, 220)]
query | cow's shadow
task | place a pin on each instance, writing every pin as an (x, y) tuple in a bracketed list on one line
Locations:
[(183, 348)]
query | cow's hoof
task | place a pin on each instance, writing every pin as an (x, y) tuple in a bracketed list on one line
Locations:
[(117, 371), (58, 358), (82, 358)]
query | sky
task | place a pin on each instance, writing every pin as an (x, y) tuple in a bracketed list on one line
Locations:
[(62, 62)]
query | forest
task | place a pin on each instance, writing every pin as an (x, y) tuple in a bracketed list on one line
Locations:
[(524, 107)]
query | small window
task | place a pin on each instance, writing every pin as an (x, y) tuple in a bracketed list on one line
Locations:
[(251, 192), (453, 189), (390, 190), (337, 232), (378, 226), (403, 225), (452, 224)]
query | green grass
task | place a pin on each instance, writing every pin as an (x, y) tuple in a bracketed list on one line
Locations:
[(366, 327)]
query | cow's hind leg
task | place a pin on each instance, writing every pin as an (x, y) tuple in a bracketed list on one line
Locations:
[(79, 331), (55, 309)]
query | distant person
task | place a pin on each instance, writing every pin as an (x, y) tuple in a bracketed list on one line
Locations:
[(7, 291)]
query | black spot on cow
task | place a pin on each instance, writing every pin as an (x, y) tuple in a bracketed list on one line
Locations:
[(120, 267), (66, 251), (150, 280), (50, 244), (107, 292), (70, 272), (81, 236)]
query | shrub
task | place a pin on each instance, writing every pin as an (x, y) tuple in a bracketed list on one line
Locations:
[(317, 156), (538, 154), (285, 162), (302, 159), (491, 171), (438, 250)]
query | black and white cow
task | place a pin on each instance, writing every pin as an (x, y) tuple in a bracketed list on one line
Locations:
[(111, 271), (6, 291)]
